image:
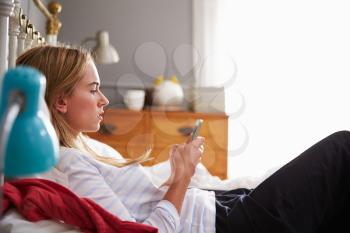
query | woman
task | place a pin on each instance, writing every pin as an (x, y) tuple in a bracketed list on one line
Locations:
[(309, 194)]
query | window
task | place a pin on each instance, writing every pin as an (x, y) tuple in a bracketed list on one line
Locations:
[(292, 62)]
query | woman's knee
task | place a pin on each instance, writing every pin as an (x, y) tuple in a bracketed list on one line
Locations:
[(341, 139), (341, 135)]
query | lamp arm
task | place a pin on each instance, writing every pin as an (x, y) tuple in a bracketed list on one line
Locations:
[(15, 104)]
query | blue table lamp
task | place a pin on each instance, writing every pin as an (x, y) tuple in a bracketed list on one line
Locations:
[(28, 142)]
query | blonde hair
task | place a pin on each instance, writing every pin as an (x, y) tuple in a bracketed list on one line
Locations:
[(63, 68)]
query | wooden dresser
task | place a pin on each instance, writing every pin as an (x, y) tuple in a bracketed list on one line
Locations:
[(132, 133)]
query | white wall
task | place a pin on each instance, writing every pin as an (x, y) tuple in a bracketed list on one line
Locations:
[(293, 61), (131, 25)]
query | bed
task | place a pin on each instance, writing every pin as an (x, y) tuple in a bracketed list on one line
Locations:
[(18, 35), (13, 222)]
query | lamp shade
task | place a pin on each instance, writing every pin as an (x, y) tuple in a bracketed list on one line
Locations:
[(104, 52), (32, 144)]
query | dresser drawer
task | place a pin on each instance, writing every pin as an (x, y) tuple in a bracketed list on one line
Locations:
[(126, 131), (175, 128), (132, 133), (213, 159), (171, 129), (122, 125)]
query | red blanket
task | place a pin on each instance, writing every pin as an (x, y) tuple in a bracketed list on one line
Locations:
[(38, 199)]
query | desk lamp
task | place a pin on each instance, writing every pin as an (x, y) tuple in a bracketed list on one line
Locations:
[(28, 142), (103, 52)]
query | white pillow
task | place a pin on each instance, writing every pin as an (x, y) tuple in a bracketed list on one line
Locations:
[(13, 222)]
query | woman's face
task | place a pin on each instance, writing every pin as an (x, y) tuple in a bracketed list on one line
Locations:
[(84, 108)]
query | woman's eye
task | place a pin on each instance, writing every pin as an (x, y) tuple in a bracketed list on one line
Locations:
[(93, 91)]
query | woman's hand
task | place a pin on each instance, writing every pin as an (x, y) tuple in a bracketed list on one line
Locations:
[(183, 160)]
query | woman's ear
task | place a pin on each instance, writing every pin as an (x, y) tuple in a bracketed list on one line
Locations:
[(61, 104)]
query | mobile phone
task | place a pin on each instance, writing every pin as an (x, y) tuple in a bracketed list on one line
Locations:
[(197, 127)]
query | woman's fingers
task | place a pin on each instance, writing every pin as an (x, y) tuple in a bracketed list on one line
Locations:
[(198, 141), (197, 146), (201, 148), (173, 149), (172, 166), (186, 156)]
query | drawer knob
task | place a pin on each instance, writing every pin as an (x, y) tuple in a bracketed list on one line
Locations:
[(107, 129), (185, 131)]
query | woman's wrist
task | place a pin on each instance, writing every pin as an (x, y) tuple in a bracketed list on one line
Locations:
[(183, 179), (177, 190), (183, 176)]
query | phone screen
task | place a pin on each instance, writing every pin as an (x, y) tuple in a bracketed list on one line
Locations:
[(197, 127)]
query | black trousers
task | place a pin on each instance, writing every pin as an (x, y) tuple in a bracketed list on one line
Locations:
[(310, 194)]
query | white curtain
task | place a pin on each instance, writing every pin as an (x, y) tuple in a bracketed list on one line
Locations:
[(292, 76), (218, 69)]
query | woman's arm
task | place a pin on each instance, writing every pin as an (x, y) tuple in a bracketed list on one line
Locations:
[(86, 180)]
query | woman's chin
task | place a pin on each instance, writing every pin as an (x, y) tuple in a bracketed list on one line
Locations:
[(93, 130), (97, 128)]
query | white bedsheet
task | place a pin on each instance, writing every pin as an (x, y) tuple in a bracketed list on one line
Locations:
[(12, 222), (204, 180)]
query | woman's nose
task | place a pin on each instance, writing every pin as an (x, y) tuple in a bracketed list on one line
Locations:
[(104, 101)]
